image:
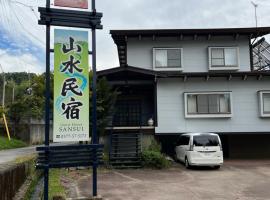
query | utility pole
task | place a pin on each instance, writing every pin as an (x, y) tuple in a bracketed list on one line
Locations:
[(4, 87), (13, 91)]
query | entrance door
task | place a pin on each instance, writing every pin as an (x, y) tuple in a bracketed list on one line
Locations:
[(128, 113)]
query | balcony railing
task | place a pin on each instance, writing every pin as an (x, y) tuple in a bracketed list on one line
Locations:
[(132, 119)]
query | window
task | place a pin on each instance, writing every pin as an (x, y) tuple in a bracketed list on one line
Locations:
[(223, 58), (167, 58), (183, 140), (211, 104), (205, 140), (264, 97)]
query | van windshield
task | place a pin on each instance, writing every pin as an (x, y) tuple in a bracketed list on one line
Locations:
[(205, 140)]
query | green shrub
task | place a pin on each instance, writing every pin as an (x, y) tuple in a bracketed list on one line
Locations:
[(106, 160), (154, 146), (154, 159)]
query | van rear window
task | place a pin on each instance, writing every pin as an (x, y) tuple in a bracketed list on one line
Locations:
[(205, 140)]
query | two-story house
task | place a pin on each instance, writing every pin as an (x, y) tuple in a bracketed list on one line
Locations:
[(192, 80)]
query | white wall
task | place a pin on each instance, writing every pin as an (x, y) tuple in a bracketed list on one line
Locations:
[(195, 52), (170, 106)]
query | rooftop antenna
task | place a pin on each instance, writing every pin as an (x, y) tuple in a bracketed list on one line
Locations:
[(255, 7)]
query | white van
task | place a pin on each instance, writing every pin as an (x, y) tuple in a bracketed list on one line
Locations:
[(199, 149)]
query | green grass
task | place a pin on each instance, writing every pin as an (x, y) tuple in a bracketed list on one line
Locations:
[(31, 189), (23, 159), (55, 187), (12, 144), (34, 176)]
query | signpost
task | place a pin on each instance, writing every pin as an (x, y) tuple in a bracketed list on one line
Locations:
[(71, 89), (71, 86)]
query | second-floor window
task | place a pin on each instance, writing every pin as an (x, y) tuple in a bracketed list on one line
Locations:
[(167, 58), (208, 104), (223, 58)]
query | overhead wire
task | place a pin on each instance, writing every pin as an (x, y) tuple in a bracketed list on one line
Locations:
[(7, 6), (5, 18), (28, 6), (31, 34)]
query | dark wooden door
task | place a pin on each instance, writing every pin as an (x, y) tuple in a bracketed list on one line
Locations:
[(128, 113)]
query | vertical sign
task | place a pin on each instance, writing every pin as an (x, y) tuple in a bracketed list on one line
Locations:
[(71, 86), (72, 3)]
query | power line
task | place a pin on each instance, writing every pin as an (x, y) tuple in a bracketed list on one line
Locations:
[(25, 5), (6, 6), (18, 2), (16, 16), (5, 18)]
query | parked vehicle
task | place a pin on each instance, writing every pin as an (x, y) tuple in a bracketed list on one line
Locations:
[(199, 149)]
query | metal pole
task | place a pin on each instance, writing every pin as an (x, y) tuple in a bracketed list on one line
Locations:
[(13, 93), (256, 16), (47, 104), (4, 90), (94, 101), (255, 7)]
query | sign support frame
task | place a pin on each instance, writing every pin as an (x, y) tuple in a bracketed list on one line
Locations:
[(94, 102), (47, 103), (94, 142)]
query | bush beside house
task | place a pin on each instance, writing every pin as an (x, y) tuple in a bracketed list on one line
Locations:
[(153, 158)]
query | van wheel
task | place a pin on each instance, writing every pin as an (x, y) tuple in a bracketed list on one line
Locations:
[(187, 163), (217, 167)]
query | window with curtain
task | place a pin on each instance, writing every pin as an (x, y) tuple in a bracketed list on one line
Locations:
[(208, 104), (223, 58), (167, 58), (265, 103)]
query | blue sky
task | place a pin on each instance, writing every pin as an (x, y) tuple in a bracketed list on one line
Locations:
[(14, 48), (20, 55), (22, 40), (61, 35)]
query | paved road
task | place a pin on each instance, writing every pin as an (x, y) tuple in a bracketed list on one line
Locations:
[(236, 180), (12, 154)]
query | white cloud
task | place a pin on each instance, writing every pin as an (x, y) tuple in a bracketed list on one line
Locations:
[(135, 14), (21, 63), (21, 23)]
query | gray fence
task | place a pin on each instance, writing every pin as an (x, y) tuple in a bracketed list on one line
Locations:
[(30, 131)]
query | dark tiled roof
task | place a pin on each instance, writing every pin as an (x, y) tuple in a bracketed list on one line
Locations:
[(138, 73), (120, 37), (252, 31)]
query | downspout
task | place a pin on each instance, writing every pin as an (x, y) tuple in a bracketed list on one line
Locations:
[(250, 54), (155, 102)]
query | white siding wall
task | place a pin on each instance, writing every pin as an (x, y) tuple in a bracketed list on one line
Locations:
[(170, 105), (195, 52)]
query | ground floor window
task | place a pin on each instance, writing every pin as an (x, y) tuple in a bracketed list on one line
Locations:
[(264, 99), (208, 104)]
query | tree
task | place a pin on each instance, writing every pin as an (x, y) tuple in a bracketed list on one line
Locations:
[(29, 99), (106, 97)]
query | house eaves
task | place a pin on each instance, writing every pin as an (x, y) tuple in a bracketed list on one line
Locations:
[(121, 37)]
